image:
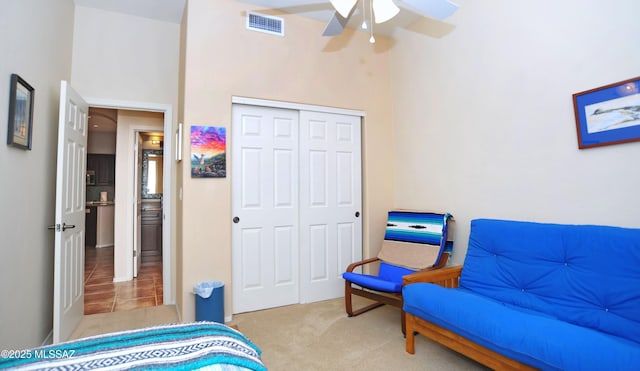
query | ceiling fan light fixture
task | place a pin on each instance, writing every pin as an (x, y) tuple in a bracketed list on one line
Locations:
[(344, 6), (364, 16), (384, 10)]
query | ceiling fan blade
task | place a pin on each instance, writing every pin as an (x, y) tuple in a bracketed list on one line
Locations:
[(384, 10), (336, 25), (437, 9), (344, 7)]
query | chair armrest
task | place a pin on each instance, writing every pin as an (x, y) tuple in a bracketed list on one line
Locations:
[(447, 277), (353, 266), (443, 261)]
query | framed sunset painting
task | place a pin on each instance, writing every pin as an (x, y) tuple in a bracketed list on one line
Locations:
[(208, 152)]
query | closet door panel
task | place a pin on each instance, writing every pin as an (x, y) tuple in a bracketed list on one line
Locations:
[(330, 202), (264, 208)]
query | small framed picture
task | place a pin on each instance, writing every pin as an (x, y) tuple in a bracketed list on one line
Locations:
[(208, 151), (20, 113), (609, 114)]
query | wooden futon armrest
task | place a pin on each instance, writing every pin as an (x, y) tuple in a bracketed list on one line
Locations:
[(446, 277)]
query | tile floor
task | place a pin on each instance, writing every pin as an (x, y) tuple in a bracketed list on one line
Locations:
[(102, 295)]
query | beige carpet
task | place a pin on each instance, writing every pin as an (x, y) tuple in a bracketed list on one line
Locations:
[(96, 324), (317, 336), (320, 336)]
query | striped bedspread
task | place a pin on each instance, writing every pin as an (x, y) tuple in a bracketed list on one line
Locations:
[(188, 346)]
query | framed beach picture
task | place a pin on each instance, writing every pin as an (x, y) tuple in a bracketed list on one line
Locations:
[(609, 114), (208, 152), (20, 113)]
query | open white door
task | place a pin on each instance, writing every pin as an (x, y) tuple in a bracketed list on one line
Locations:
[(68, 294)]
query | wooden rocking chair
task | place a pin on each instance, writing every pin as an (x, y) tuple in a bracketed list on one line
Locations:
[(413, 241)]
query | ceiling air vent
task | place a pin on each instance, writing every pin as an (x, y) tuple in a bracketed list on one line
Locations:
[(265, 23)]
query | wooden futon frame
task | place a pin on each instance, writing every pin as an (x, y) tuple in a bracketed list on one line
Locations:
[(449, 277)]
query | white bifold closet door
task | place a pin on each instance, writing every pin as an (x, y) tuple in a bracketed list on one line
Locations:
[(296, 204)]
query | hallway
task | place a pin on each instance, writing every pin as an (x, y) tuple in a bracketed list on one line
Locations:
[(102, 295)]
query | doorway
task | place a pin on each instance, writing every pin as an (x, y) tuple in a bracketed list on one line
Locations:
[(106, 289), (149, 209), (124, 226)]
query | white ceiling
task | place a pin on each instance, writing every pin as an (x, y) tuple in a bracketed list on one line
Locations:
[(161, 10), (172, 10), (317, 9)]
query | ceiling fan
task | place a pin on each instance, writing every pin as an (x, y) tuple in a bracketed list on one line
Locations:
[(383, 10)]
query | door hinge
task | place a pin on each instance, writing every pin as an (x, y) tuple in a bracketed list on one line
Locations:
[(135, 253)]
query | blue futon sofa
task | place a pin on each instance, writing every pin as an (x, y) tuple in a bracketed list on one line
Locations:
[(532, 295)]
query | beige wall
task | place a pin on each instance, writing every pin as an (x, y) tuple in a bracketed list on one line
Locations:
[(123, 57), (483, 117), (36, 38), (222, 60)]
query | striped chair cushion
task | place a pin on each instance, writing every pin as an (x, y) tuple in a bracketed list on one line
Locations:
[(415, 239)]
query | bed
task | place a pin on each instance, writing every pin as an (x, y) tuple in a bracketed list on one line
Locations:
[(185, 346)]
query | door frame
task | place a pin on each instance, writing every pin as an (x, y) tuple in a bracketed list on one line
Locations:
[(137, 210), (168, 264), (295, 106)]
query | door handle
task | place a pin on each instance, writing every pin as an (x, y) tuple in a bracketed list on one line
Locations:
[(62, 227), (236, 220)]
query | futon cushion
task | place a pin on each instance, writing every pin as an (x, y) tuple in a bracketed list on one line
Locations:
[(582, 274), (534, 338)]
